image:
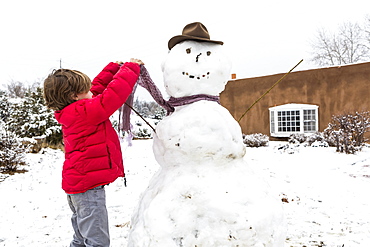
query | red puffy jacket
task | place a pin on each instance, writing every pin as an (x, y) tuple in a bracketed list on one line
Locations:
[(93, 154)]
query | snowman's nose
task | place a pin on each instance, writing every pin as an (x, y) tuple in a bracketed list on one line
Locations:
[(196, 59)]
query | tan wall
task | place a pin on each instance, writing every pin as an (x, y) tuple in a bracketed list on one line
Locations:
[(336, 90)]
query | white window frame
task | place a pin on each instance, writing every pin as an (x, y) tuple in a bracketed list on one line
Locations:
[(293, 118)]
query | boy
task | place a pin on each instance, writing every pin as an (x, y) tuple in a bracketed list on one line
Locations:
[(93, 155)]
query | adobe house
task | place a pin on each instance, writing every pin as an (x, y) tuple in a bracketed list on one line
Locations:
[(304, 102)]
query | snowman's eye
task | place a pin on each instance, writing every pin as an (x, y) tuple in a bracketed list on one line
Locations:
[(188, 51), (208, 53)]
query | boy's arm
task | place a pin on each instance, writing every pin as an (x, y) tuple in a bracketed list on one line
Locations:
[(101, 81), (101, 107)]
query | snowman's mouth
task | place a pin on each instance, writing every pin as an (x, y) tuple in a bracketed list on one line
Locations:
[(198, 77)]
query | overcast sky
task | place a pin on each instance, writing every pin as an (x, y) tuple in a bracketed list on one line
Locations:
[(261, 37)]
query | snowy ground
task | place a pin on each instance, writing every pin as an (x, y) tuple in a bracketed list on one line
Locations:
[(326, 196)]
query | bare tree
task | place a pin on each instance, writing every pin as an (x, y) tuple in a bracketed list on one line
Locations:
[(347, 46), (367, 30), (354, 43), (16, 89)]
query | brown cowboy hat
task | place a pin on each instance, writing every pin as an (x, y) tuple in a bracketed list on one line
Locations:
[(193, 31)]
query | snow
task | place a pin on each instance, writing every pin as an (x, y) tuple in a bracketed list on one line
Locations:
[(327, 194), (293, 106), (207, 188)]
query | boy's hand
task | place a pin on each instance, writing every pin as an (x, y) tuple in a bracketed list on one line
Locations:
[(138, 61), (119, 62)]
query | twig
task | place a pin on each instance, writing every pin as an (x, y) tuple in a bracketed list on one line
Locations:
[(141, 117), (263, 95)]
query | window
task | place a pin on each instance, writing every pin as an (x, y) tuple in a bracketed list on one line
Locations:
[(272, 123), (309, 120), (293, 118)]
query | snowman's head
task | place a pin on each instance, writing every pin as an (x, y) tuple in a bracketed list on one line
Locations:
[(196, 67)]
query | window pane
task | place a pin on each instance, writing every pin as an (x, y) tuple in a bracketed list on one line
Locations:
[(287, 120), (272, 122), (309, 120), (310, 126)]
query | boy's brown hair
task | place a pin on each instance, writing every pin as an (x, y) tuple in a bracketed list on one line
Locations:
[(62, 86)]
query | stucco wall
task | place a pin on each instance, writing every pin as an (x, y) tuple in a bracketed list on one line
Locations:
[(336, 90)]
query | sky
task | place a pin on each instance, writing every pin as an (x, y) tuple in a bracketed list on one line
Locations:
[(261, 37)]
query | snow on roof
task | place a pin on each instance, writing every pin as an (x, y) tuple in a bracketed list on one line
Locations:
[(294, 106)]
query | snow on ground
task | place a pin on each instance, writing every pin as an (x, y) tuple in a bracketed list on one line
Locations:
[(326, 196)]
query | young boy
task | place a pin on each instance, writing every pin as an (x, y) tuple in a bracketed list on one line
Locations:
[(93, 155)]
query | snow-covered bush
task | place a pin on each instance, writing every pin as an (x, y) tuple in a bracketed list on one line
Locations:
[(318, 138), (140, 133), (30, 118), (4, 107), (149, 109), (347, 132), (319, 144), (12, 150), (140, 129), (255, 140), (313, 140), (297, 138), (143, 115)]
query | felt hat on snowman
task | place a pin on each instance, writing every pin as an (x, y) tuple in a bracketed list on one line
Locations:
[(193, 31)]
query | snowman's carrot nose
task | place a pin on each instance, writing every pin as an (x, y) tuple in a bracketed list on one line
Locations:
[(196, 60)]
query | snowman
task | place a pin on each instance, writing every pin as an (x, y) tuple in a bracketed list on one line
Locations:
[(205, 194)]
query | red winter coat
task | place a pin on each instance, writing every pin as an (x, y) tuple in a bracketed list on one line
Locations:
[(92, 150)]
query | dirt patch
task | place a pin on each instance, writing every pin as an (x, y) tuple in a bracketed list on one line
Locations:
[(6, 174)]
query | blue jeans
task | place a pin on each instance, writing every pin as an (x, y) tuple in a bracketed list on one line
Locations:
[(89, 219)]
